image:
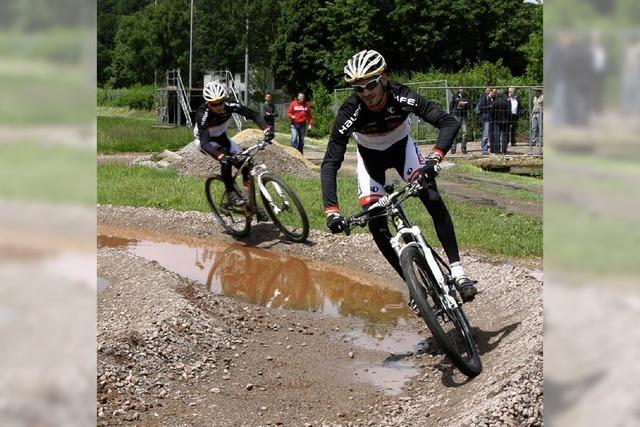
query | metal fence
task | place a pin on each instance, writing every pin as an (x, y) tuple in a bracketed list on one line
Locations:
[(442, 92)]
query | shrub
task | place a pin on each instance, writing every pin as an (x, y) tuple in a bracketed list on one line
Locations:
[(137, 97)]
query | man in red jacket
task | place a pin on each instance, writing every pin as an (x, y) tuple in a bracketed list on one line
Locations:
[(300, 114)]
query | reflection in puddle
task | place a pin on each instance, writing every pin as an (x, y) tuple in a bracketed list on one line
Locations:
[(261, 277), (391, 376), (398, 340)]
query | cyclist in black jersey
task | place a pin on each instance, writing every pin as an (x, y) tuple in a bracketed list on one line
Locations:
[(377, 116), (211, 130)]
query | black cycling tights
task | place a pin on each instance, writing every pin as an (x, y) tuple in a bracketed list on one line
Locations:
[(431, 199)]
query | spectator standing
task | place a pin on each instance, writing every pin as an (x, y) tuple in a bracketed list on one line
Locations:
[(459, 108), (537, 117), (269, 112), (300, 114), (484, 107), (500, 116), (516, 112)]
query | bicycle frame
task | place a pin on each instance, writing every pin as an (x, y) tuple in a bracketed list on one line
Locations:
[(407, 235), (399, 243)]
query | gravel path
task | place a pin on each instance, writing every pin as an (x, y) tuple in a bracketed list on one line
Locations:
[(171, 353)]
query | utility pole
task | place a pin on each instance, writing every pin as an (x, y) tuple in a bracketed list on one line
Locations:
[(190, 47), (246, 60)]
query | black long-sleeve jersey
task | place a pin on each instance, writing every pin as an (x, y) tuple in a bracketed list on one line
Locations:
[(212, 126), (378, 130)]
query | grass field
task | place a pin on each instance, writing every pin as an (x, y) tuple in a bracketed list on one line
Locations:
[(483, 228), (125, 130), (133, 134)]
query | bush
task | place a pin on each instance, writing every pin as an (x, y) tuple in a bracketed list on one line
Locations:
[(322, 110), (138, 97)]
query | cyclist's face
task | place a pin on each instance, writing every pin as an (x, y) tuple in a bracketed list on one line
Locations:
[(217, 107), (371, 97)]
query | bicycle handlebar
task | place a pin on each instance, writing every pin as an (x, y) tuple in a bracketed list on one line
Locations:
[(362, 218), (247, 152)]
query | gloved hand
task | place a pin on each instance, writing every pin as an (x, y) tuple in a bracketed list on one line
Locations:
[(431, 167), (268, 134), (231, 160), (237, 161), (335, 222)]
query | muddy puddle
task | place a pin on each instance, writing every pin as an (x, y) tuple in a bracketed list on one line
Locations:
[(265, 278), (273, 280)]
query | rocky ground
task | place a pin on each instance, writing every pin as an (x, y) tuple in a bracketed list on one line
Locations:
[(172, 353)]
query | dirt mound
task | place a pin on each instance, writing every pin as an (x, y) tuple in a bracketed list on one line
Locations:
[(280, 159)]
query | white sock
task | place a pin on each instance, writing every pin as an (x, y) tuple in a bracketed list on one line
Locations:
[(456, 270)]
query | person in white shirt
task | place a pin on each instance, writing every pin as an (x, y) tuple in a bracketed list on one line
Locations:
[(516, 110)]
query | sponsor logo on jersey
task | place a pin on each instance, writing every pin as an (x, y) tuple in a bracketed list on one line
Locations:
[(391, 109), (349, 122), (404, 100), (203, 122)]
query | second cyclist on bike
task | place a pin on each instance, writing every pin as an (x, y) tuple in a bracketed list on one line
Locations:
[(377, 115), (211, 128)]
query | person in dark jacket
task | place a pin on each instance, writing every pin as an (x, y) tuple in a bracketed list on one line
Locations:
[(484, 106), (500, 116), (268, 111), (459, 108)]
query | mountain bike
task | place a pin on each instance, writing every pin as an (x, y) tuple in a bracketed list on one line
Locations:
[(433, 293), (278, 198)]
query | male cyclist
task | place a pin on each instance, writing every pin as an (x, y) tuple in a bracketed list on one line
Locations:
[(211, 127), (377, 117)]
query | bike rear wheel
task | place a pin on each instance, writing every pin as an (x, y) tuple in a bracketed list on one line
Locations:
[(284, 207), (234, 219), (449, 327)]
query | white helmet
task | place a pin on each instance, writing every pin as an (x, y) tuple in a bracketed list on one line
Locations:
[(364, 64), (214, 91)]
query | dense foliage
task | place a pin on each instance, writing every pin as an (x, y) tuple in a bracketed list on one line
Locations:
[(303, 42)]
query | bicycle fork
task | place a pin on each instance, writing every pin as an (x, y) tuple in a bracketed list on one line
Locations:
[(397, 242), (257, 173)]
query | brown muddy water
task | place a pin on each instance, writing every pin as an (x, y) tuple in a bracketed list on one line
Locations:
[(265, 278)]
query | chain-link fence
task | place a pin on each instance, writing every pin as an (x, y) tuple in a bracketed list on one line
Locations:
[(529, 130)]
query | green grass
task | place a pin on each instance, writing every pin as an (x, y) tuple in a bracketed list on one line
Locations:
[(59, 174), (133, 134), (126, 112), (483, 228)]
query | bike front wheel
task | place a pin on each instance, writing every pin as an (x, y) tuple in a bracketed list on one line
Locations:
[(284, 207), (234, 219), (449, 326)]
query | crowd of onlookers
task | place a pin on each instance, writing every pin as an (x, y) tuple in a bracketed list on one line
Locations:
[(499, 113)]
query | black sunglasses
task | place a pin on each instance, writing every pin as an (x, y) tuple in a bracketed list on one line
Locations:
[(370, 85), (216, 104)]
